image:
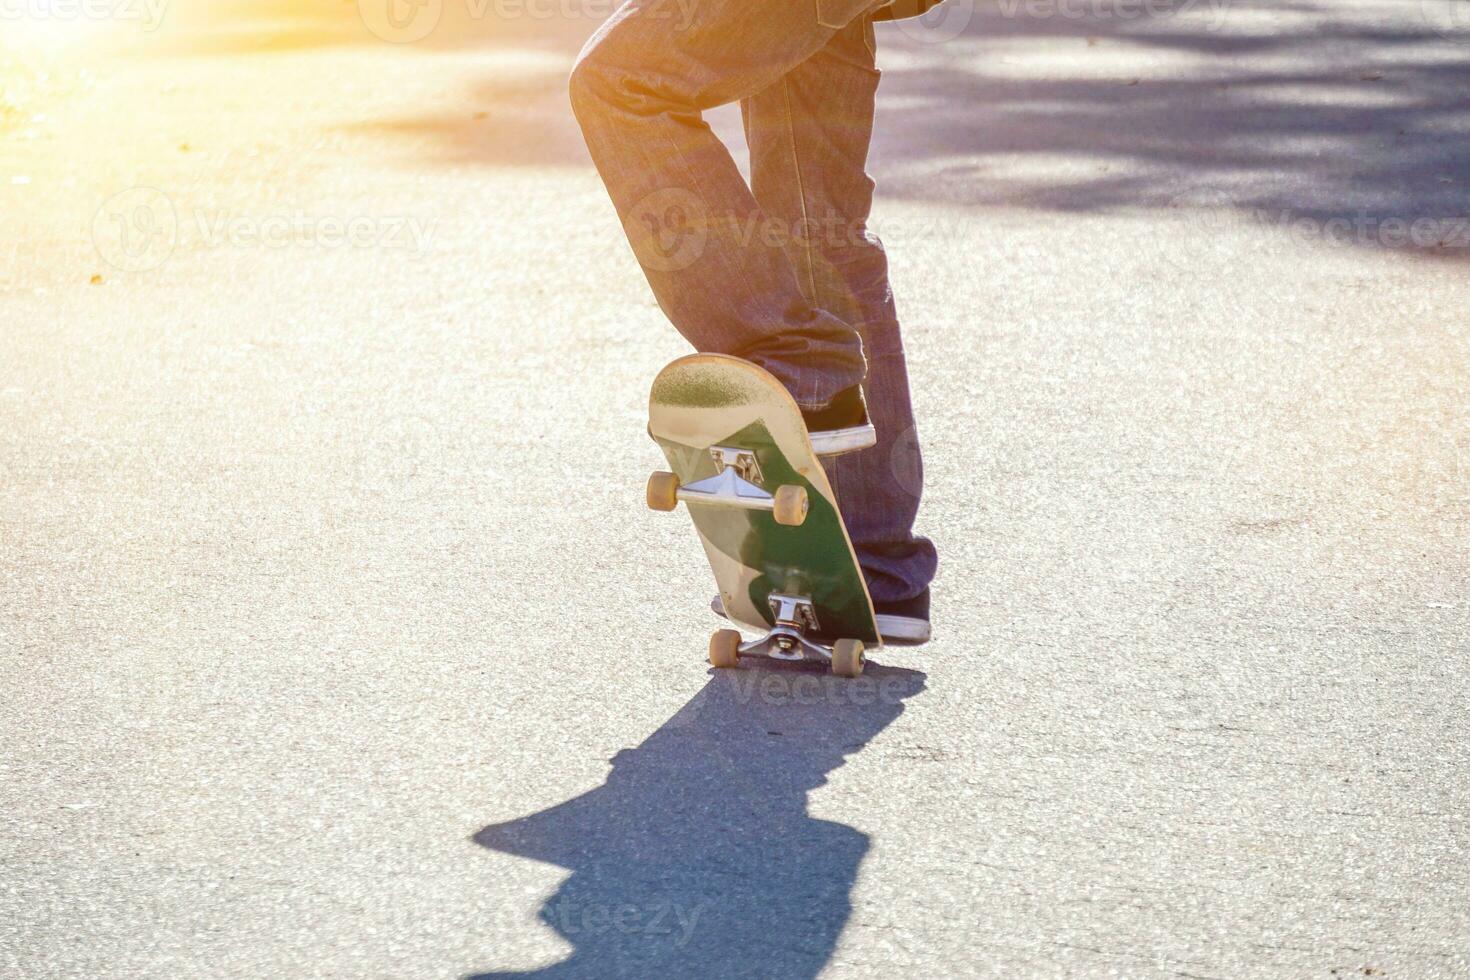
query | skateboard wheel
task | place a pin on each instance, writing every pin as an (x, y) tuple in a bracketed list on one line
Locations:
[(724, 648), (663, 491), (847, 658), (790, 505)]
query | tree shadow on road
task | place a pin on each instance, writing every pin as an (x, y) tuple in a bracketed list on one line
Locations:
[(1290, 112), (697, 857), (1279, 113), (1328, 124)]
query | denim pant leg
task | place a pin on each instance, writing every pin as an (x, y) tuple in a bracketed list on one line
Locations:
[(809, 134), (638, 91)]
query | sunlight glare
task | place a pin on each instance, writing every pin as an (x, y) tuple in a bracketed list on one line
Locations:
[(53, 25)]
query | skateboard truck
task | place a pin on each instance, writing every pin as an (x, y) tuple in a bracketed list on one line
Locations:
[(794, 615), (739, 483), (787, 640), (743, 461)]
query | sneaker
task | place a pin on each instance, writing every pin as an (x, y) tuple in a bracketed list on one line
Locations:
[(842, 426), (902, 623), (905, 622)]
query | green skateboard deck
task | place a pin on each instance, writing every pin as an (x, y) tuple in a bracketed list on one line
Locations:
[(729, 429)]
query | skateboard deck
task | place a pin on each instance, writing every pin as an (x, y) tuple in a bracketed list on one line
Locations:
[(738, 446)]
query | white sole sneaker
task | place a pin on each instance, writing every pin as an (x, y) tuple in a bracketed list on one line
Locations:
[(835, 441), (896, 630), (903, 631)]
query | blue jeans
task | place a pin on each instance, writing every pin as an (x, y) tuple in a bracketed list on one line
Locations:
[(783, 271)]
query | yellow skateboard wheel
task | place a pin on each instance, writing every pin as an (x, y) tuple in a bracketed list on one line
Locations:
[(724, 648), (847, 658), (790, 505), (663, 489)]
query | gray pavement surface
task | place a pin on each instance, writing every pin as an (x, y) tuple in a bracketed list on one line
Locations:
[(335, 640)]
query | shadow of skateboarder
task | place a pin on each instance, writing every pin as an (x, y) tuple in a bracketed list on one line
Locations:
[(697, 857)]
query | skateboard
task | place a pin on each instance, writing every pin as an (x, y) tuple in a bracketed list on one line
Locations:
[(741, 461)]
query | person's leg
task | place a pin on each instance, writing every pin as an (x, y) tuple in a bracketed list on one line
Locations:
[(638, 91), (809, 133)]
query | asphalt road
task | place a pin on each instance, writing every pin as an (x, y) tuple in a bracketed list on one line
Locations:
[(335, 640)]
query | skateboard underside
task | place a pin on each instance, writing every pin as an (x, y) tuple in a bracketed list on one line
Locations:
[(732, 437)]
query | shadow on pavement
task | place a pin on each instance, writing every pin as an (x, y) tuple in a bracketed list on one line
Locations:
[(697, 857), (1306, 109), (1249, 112), (1277, 112)]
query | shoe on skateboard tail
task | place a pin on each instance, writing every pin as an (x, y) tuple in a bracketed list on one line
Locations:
[(742, 462)]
